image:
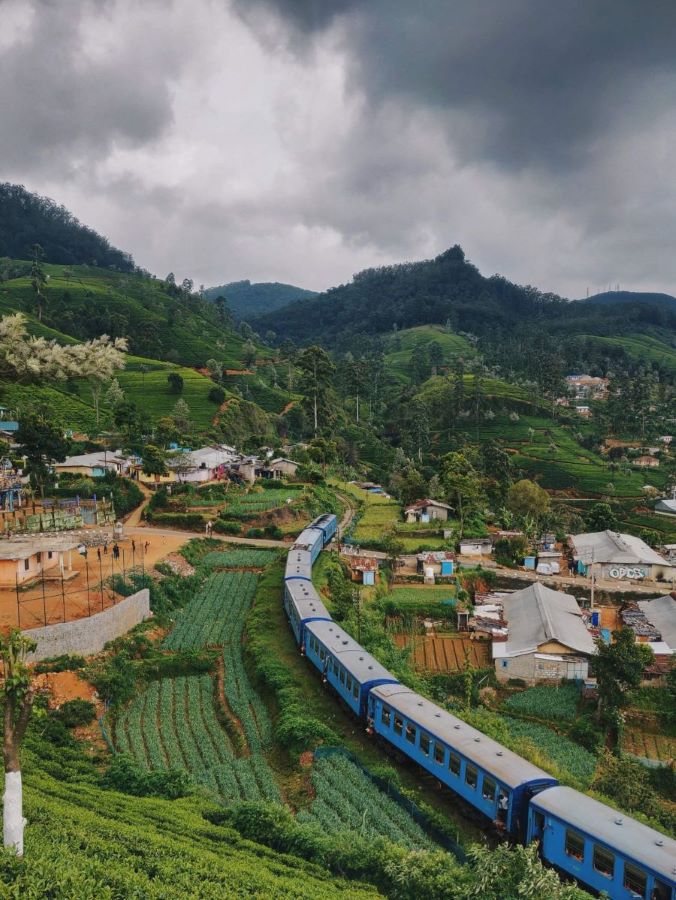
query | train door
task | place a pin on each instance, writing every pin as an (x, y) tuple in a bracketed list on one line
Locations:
[(661, 891)]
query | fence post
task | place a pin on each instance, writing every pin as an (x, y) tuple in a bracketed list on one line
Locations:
[(18, 603), (101, 582), (44, 601), (89, 609), (63, 596)]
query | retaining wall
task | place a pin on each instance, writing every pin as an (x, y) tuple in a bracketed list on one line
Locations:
[(87, 636)]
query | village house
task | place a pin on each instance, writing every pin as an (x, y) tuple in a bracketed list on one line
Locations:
[(205, 464), (547, 638), (282, 468), (618, 557), (584, 411), (587, 387), (95, 465), (476, 547), (646, 462), (666, 507), (440, 562), (661, 613), (26, 559), (363, 569), (427, 511)]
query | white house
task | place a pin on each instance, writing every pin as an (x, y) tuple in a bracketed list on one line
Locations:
[(95, 465), (282, 467), (618, 557), (476, 547), (205, 464), (547, 637), (427, 510)]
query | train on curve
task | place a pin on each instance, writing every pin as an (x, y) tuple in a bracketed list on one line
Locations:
[(583, 839)]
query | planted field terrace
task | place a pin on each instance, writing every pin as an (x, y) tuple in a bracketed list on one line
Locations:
[(215, 614), (238, 559), (649, 745), (545, 747), (173, 725), (348, 800), (545, 702), (378, 514), (253, 504), (445, 653)]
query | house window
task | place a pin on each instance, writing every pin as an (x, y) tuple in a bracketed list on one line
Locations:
[(398, 725), (49, 554), (574, 844), (454, 763), (471, 776), (604, 861), (26, 564), (488, 789), (504, 663), (425, 743), (385, 716), (410, 733), (635, 880), (439, 754)]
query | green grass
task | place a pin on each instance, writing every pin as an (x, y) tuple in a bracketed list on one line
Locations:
[(416, 595), (642, 348), (234, 559), (380, 514)]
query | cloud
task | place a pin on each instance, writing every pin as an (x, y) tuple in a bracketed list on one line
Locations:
[(302, 141)]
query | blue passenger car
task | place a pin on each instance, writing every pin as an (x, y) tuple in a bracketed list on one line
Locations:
[(493, 779), (311, 539), (347, 667), (328, 524), (302, 605), (603, 849), (298, 565)]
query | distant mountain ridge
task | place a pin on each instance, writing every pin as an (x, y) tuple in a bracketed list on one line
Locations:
[(620, 297), (27, 219), (247, 300)]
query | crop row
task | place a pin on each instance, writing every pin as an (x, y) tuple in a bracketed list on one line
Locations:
[(571, 759), (546, 702), (234, 559), (173, 724), (244, 701), (347, 800), (216, 614)]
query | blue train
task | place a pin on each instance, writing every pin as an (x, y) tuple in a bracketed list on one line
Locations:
[(580, 837)]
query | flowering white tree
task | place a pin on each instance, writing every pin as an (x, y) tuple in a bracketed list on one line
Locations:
[(26, 357)]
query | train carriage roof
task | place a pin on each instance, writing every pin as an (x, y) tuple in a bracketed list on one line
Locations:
[(306, 600), (505, 765), (360, 664), (298, 565), (625, 835), (308, 536)]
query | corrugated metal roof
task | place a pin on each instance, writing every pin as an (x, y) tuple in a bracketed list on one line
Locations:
[(537, 615), (661, 612), (503, 764), (611, 547), (360, 664), (630, 838)]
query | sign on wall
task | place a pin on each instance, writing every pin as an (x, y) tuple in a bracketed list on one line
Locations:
[(628, 572)]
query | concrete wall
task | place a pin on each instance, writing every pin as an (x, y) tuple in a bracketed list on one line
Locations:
[(87, 636), (532, 669)]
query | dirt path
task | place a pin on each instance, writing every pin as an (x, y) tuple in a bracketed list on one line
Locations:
[(134, 517)]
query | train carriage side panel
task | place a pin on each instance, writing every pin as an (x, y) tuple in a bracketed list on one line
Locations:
[(493, 779), (347, 667), (602, 848)]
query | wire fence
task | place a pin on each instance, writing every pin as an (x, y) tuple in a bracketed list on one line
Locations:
[(61, 595)]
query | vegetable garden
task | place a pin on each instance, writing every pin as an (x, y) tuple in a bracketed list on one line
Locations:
[(545, 702), (347, 800), (238, 559)]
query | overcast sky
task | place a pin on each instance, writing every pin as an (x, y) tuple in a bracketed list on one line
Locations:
[(304, 140)]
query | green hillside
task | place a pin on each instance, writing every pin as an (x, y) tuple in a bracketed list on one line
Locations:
[(158, 319), (400, 346), (640, 347), (246, 299)]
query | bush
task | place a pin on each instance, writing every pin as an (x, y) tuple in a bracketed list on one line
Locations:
[(273, 531), (175, 383), (64, 663), (585, 733), (188, 521), (124, 775), (75, 712), (255, 533), (216, 395), (222, 527)]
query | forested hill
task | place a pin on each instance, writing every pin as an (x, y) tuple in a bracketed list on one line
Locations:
[(447, 289), (27, 219), (450, 291), (247, 300), (613, 298)]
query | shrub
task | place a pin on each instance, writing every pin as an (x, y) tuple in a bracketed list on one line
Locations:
[(222, 527), (76, 712), (188, 521), (585, 733), (255, 533), (175, 383), (273, 531), (124, 775), (64, 663), (216, 395)]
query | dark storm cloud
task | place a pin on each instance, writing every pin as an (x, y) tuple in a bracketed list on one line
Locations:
[(520, 82), (65, 98)]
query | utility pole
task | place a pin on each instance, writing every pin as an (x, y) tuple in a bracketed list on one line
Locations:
[(591, 602)]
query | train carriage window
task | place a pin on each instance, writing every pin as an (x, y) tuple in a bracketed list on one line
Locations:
[(348, 684), (398, 725), (385, 716), (604, 861), (661, 891), (635, 880), (355, 690), (454, 763), (439, 754), (488, 789), (471, 776), (410, 733), (574, 844), (322, 655), (335, 667), (342, 676), (425, 743)]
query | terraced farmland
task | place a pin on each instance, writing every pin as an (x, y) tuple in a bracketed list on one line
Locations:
[(347, 800), (238, 559), (213, 616), (173, 725)]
